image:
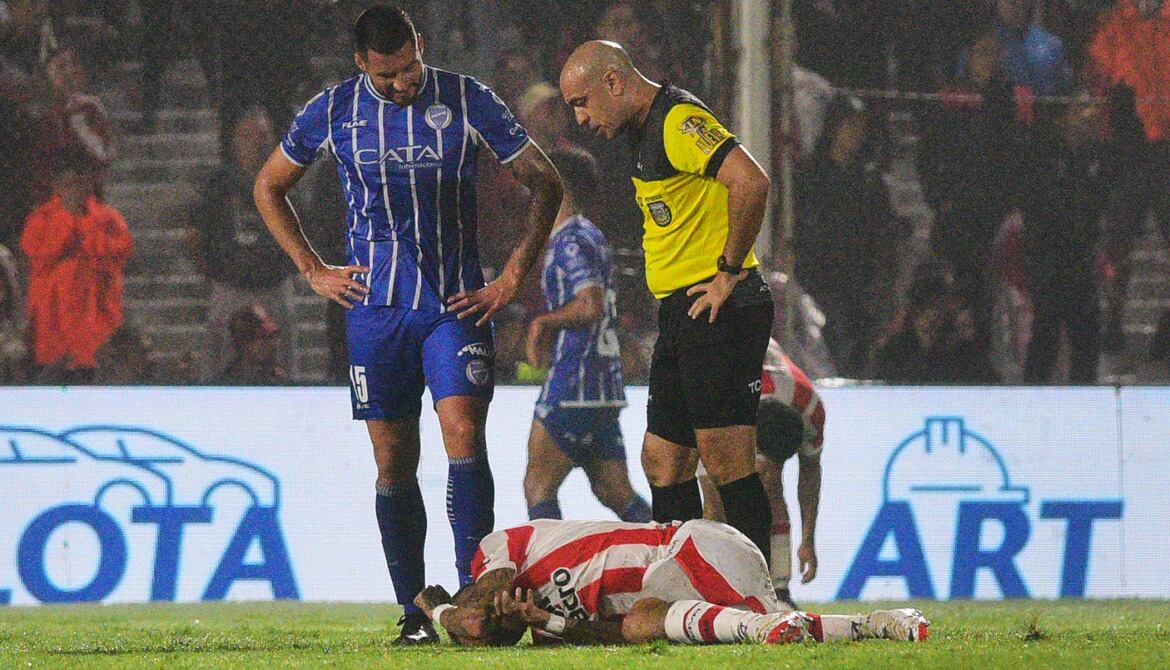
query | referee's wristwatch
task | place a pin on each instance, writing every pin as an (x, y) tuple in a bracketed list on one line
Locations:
[(723, 266)]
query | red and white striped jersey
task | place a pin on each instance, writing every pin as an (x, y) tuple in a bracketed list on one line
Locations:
[(782, 379), (582, 569)]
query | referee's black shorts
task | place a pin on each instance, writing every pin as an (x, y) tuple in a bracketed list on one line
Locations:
[(707, 375)]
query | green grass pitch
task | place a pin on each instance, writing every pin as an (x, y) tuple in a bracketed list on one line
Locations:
[(976, 635)]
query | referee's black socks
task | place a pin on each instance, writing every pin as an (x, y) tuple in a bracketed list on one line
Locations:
[(676, 502), (745, 503)]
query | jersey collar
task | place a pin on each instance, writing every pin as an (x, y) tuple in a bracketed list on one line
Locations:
[(426, 80)]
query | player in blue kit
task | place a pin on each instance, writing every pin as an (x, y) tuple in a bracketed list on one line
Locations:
[(576, 421), (406, 137)]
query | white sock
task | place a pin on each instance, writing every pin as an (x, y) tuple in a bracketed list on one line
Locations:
[(698, 622), (840, 627), (781, 554)]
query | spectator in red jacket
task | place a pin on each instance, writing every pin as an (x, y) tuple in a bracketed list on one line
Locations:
[(77, 248), (1130, 56)]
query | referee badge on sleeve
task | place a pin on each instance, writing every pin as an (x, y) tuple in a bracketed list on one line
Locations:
[(660, 212), (706, 138)]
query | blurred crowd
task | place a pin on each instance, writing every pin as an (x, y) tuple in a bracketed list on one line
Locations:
[(1039, 128)]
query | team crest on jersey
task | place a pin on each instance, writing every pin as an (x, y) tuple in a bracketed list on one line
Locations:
[(706, 139), (660, 212), (479, 372), (438, 116)]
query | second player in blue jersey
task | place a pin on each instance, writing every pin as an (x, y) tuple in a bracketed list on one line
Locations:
[(406, 138), (576, 420)]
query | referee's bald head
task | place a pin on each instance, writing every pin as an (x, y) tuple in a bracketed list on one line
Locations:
[(605, 90), (594, 58)]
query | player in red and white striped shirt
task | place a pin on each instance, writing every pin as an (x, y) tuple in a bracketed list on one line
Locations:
[(791, 421), (613, 582)]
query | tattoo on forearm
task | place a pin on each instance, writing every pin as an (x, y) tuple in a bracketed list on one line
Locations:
[(536, 173)]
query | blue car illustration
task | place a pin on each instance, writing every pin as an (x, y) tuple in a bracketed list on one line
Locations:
[(65, 471), (193, 474)]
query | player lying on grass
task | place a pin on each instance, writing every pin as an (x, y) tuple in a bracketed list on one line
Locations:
[(601, 582)]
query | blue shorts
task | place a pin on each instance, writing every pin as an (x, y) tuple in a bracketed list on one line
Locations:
[(584, 434), (395, 352)]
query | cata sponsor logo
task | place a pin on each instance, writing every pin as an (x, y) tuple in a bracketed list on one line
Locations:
[(410, 156)]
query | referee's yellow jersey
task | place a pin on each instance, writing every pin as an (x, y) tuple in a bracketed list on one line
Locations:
[(677, 153)]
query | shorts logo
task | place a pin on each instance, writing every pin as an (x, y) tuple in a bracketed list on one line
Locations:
[(475, 349), (706, 139), (438, 116), (479, 371), (755, 386), (661, 213)]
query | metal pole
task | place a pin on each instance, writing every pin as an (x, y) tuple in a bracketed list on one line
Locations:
[(781, 249), (753, 108)]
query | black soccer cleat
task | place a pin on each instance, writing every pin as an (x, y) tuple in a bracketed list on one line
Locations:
[(416, 629), (785, 597)]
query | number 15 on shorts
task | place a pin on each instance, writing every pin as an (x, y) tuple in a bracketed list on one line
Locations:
[(357, 377)]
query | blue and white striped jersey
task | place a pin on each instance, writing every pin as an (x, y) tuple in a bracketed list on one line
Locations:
[(586, 369), (409, 178)]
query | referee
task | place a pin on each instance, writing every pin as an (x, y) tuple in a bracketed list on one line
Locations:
[(702, 197)]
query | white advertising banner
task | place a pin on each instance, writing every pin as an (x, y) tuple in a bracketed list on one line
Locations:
[(187, 494), (970, 492), (1145, 475)]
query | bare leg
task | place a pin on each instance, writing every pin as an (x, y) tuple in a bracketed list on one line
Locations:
[(667, 463), (396, 449), (646, 621), (610, 480), (729, 455), (670, 468), (712, 503), (547, 468), (463, 420)]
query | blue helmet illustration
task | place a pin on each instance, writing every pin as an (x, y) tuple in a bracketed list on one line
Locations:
[(945, 458)]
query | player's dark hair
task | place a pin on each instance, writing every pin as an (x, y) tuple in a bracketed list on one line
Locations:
[(499, 634), (382, 28), (779, 429), (578, 173), (497, 631)]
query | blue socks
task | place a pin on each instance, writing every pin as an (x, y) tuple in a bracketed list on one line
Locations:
[(636, 511), (545, 509), (402, 520), (470, 508)]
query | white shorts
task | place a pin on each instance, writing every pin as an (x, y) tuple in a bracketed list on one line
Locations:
[(715, 563)]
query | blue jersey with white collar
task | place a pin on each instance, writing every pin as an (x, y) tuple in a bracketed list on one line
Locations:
[(586, 366), (409, 178)]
